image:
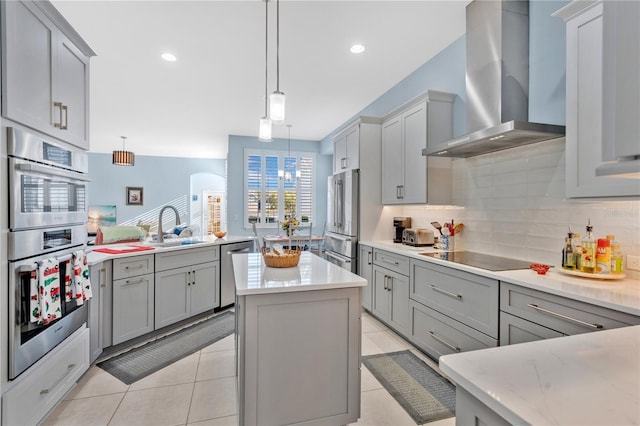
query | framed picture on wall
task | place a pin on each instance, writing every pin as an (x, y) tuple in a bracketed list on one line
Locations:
[(134, 195)]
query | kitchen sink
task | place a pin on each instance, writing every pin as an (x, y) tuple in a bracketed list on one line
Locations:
[(174, 242)]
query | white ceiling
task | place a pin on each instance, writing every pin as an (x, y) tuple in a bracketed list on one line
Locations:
[(189, 107)]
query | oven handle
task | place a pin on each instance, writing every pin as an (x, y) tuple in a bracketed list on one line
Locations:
[(29, 267), (50, 171)]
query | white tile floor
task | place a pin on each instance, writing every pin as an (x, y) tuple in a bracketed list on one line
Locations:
[(200, 390)]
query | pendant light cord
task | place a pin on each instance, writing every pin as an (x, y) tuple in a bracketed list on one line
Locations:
[(266, 56), (278, 46)]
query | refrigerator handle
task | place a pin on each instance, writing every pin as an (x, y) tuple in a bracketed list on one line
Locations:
[(335, 203), (340, 193)]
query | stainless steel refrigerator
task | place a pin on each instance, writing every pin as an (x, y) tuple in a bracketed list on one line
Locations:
[(343, 212)]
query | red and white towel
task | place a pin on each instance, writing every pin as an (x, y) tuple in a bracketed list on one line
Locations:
[(45, 303), (81, 284)]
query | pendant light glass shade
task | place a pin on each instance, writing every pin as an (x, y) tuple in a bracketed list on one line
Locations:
[(123, 157), (276, 107), (264, 134)]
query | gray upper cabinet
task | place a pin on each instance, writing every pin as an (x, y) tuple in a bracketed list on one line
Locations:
[(346, 150), (586, 72), (621, 127), (407, 176)]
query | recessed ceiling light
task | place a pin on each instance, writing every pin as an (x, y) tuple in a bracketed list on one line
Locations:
[(168, 57), (357, 48)]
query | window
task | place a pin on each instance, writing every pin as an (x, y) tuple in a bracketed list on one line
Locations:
[(278, 183)]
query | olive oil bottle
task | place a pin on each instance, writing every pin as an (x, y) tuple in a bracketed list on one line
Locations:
[(589, 247)]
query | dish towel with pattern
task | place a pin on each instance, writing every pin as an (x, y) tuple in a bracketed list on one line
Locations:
[(81, 282), (68, 283), (45, 292)]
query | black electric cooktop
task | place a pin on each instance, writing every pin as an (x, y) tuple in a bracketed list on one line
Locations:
[(479, 260)]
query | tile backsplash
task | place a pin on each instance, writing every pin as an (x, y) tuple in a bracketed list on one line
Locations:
[(512, 204)]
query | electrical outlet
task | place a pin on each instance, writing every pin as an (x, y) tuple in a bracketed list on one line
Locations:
[(633, 262)]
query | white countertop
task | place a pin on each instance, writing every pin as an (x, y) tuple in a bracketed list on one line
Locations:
[(591, 378), (312, 273), (94, 257), (621, 295)]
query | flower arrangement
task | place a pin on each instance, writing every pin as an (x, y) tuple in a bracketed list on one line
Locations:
[(289, 224)]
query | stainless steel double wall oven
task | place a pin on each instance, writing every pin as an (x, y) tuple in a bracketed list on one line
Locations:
[(47, 219)]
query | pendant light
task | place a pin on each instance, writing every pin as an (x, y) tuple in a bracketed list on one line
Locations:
[(123, 158), (277, 98), (264, 132)]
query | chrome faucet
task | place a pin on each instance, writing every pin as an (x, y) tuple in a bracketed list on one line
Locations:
[(160, 234)]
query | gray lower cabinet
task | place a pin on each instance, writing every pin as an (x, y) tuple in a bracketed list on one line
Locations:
[(516, 330), (563, 315), (438, 334), (452, 310), (298, 357), (365, 270), (390, 287), (99, 308), (133, 297), (183, 292)]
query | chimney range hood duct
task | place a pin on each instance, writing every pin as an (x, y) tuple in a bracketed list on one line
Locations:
[(497, 83)]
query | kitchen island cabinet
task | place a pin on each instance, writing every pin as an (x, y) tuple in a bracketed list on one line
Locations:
[(298, 342), (591, 378)]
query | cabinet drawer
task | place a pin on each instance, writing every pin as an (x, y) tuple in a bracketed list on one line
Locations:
[(391, 261), (439, 335), (466, 297), (558, 313), (132, 266), (516, 330), (41, 387), (186, 257)]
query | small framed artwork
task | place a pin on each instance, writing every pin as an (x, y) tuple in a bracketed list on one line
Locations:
[(134, 195)]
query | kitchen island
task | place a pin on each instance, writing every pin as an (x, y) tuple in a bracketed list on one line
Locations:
[(591, 378), (298, 342)]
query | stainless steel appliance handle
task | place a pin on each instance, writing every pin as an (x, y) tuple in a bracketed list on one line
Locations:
[(338, 237), (340, 191), (564, 317), (439, 290), (447, 344), (244, 250), (51, 171), (30, 267), (335, 203), (341, 260), (70, 368)]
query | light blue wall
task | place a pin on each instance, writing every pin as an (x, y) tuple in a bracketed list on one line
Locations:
[(547, 63), (235, 177), (163, 178)]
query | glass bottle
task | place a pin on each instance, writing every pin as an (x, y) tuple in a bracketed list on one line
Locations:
[(577, 251), (617, 266), (589, 252), (568, 258)]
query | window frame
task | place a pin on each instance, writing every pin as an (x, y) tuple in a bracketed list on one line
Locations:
[(281, 154)]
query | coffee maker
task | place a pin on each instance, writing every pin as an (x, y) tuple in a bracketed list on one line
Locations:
[(400, 223)]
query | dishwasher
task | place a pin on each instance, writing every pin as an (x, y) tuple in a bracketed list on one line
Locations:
[(227, 280)]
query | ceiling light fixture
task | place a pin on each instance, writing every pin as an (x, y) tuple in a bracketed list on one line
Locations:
[(264, 132), (277, 98), (357, 48), (168, 57), (123, 158)]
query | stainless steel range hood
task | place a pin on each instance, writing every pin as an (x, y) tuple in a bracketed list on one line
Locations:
[(497, 83)]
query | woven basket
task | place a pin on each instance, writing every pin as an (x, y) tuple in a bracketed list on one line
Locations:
[(289, 259)]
